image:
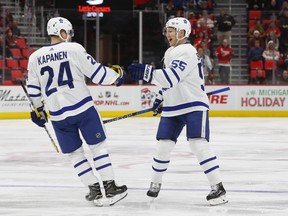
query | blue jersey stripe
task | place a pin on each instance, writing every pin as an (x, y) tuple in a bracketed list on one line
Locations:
[(73, 107), (85, 171), (102, 79), (184, 106), (211, 169), (175, 73), (100, 157), (160, 161), (35, 95), (95, 73), (167, 77), (80, 163), (33, 86), (207, 160), (104, 166), (158, 170)]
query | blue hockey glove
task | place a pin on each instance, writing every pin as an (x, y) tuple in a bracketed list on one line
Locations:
[(141, 72), (157, 104), (120, 80), (41, 119)]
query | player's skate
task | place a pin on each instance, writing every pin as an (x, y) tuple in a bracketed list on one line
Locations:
[(113, 192), (217, 195), (95, 194), (154, 190)]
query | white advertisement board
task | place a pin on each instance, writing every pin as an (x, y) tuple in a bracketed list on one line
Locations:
[(138, 97)]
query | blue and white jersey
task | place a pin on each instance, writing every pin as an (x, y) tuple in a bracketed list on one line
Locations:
[(182, 81), (56, 74)]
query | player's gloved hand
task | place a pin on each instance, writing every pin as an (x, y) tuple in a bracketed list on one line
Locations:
[(120, 80), (157, 104), (41, 119), (141, 72)]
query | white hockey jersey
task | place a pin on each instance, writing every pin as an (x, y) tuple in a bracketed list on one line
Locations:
[(182, 81), (56, 74)]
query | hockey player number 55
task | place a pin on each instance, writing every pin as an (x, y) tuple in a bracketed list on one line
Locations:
[(63, 70), (180, 64)]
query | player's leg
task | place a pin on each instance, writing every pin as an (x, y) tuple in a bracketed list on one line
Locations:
[(198, 136), (70, 143), (168, 132), (93, 132)]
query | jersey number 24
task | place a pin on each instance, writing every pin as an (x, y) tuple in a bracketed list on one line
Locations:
[(64, 69)]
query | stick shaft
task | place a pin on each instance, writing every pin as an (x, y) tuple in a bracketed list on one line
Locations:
[(218, 91), (127, 115), (150, 109), (38, 115)]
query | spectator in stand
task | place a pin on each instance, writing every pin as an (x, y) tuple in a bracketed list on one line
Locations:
[(273, 28), (256, 52), (224, 54), (224, 23), (256, 37), (193, 20), (285, 59), (200, 40), (259, 79), (284, 78), (272, 36), (270, 53), (257, 26), (179, 6), (255, 4), (206, 18), (14, 27), (7, 51), (10, 39), (207, 66), (270, 7), (284, 7), (204, 5), (203, 28), (283, 26)]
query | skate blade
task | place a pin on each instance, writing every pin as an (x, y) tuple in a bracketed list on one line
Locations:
[(218, 201), (98, 202), (117, 198)]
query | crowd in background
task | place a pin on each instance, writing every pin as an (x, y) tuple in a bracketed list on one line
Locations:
[(267, 40), (14, 52)]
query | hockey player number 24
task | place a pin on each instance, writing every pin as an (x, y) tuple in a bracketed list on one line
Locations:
[(64, 69)]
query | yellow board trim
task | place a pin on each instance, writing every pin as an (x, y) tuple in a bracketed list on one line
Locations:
[(213, 113)]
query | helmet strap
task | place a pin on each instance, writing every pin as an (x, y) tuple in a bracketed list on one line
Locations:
[(178, 39), (68, 38)]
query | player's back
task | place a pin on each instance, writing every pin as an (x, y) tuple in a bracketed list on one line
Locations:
[(59, 71)]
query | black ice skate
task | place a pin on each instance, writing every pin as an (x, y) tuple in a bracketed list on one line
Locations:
[(113, 192), (95, 194), (217, 195), (154, 190)]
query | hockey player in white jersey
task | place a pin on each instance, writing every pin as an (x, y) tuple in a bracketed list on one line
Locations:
[(184, 103), (56, 75)]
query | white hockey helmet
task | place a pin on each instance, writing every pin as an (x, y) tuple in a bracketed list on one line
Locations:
[(56, 24), (179, 23)]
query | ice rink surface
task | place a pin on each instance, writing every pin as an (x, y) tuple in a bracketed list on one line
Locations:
[(252, 152)]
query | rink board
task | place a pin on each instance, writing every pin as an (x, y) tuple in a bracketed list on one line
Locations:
[(111, 101)]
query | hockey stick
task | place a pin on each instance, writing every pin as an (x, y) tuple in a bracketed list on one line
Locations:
[(150, 109), (38, 115), (218, 91), (127, 115)]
